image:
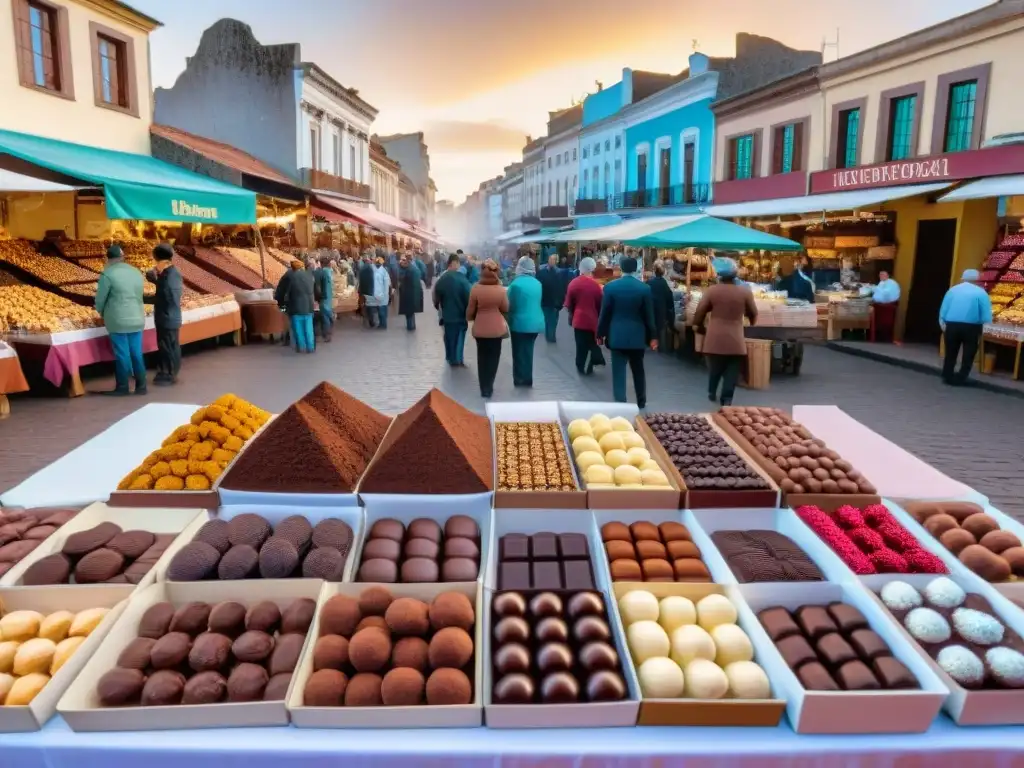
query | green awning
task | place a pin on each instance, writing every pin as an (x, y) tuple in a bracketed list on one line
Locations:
[(704, 231), (137, 186)]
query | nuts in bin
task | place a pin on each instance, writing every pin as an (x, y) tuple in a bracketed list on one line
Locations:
[(532, 457)]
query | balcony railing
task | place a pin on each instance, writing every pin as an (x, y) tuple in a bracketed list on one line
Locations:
[(554, 212), (584, 207), (531, 218), (660, 197), (314, 179)]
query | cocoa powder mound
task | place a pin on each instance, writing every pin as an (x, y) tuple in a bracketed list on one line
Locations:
[(353, 419), (437, 446)]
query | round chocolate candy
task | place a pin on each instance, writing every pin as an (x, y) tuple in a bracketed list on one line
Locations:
[(333, 533), (205, 688), (459, 569), (383, 549), (598, 656), (278, 558), (509, 604), (170, 650), (163, 688), (239, 562), (247, 682), (209, 652), (191, 618), (512, 658), (296, 529), (554, 657), (551, 630), (585, 604), (263, 617), (425, 528), (417, 570), (461, 526), (297, 615), (513, 689), (559, 688), (590, 629), (460, 547), (248, 528), (379, 570), (120, 686), (605, 686), (422, 548), (387, 529), (215, 533), (324, 563), (511, 629), (546, 604)]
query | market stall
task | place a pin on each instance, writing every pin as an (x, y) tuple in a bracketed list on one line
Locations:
[(12, 380)]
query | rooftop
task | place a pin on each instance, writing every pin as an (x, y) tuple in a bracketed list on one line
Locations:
[(221, 153), (125, 13), (349, 95)]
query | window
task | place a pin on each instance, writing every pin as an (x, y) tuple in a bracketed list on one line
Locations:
[(607, 180), (597, 148), (336, 142), (574, 187), (618, 142), (549, 162), (960, 116), (741, 157), (607, 145), (901, 128), (574, 154), (44, 52), (586, 153), (113, 77), (849, 134), (352, 162), (689, 152), (549, 200), (586, 183), (618, 176), (641, 172), (596, 190), (314, 147), (567, 156), (787, 149), (558, 160)]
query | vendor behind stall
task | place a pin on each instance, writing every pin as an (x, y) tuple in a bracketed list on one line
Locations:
[(796, 283), (885, 298)]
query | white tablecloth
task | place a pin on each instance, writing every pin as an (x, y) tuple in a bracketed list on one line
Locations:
[(92, 470)]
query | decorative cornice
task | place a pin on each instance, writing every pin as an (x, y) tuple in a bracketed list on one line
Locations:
[(786, 88), (312, 110), (123, 13), (349, 96)]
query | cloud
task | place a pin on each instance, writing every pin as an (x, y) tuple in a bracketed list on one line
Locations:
[(464, 136)]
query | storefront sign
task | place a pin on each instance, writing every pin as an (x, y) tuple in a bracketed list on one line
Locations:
[(184, 209), (993, 161)]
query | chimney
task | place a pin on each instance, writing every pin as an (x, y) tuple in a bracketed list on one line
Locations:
[(699, 64), (627, 86)]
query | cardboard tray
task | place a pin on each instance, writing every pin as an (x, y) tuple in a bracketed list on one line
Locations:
[(965, 707), (714, 712), (456, 716), (406, 512), (184, 523), (81, 709), (544, 412), (828, 502), (702, 498), (274, 515), (46, 600), (626, 498), (835, 712)]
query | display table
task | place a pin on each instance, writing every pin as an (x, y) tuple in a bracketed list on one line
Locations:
[(62, 355), (1004, 336), (12, 380), (92, 470), (264, 318)]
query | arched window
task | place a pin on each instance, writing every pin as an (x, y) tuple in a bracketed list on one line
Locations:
[(607, 180), (575, 189)]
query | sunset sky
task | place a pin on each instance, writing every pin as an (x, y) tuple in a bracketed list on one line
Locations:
[(479, 75)]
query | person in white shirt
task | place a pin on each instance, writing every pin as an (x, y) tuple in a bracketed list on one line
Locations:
[(887, 291)]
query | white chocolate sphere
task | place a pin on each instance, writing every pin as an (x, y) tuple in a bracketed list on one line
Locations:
[(705, 680), (690, 642), (579, 428), (585, 444), (638, 605), (676, 611), (632, 440), (714, 610), (731, 644), (620, 424), (646, 639), (747, 681), (660, 678)]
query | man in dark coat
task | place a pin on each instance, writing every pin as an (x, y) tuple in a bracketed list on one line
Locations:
[(553, 287), (664, 307), (167, 314), (298, 300), (626, 323), (451, 298), (365, 288), (410, 291)]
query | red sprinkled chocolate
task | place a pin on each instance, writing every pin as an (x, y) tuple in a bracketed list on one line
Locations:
[(849, 517), (866, 539), (887, 561), (923, 561), (836, 538)]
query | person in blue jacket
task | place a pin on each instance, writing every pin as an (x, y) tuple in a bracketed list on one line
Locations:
[(965, 310), (626, 324), (525, 320), (554, 286)]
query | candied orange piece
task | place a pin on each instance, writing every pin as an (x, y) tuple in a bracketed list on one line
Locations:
[(197, 483), (150, 460), (243, 432), (214, 413), (175, 451), (226, 400), (141, 483), (205, 427), (221, 456), (125, 484), (169, 483), (230, 422), (233, 443), (219, 435), (212, 470), (160, 469), (179, 468), (200, 452), (198, 417)]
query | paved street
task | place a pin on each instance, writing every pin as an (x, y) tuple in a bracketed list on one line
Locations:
[(967, 433)]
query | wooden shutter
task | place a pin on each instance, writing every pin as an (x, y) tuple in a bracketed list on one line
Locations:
[(730, 160), (778, 149), (798, 147), (23, 42)]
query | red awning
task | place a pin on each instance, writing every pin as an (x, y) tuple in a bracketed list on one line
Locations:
[(335, 210)]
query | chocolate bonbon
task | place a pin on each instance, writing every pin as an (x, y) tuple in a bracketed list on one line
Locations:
[(544, 561), (974, 537), (756, 556), (421, 552), (101, 554), (703, 457), (644, 551)]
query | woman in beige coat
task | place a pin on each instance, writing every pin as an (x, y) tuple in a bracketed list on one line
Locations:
[(488, 305), (727, 303)]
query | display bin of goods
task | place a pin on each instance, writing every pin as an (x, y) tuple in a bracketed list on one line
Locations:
[(184, 469), (837, 658), (650, 545), (438, 455), (313, 453), (691, 655), (47, 634), (107, 545), (708, 465), (969, 538), (270, 268), (856, 241), (405, 544), (23, 530), (27, 309), (210, 655), (224, 266), (613, 461), (872, 540), (254, 542), (392, 656), (806, 470), (51, 270), (531, 458), (970, 640)]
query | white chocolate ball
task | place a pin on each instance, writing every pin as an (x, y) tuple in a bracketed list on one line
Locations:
[(616, 458), (747, 681), (675, 611), (626, 474), (638, 456), (660, 678), (585, 444), (612, 442), (620, 424), (731, 644), (589, 459), (646, 639), (638, 605), (714, 610), (579, 428), (690, 642), (705, 680), (632, 440)]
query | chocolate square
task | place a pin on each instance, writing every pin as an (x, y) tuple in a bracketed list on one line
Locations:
[(868, 644), (847, 618), (815, 677), (578, 575), (544, 546), (547, 574), (893, 674), (855, 676), (814, 621), (778, 623), (796, 651), (515, 546), (835, 651), (514, 576), (573, 546)]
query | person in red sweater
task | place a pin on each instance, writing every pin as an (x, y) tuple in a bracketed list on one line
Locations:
[(583, 301)]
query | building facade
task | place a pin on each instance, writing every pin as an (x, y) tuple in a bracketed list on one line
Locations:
[(410, 151), (602, 149), (561, 166), (384, 180), (533, 180), (79, 72), (512, 190)]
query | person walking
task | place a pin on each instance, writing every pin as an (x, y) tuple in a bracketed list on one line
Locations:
[(380, 297), (167, 314), (525, 320), (719, 317), (324, 278), (583, 303), (626, 323), (296, 295), (664, 306), (119, 302), (553, 289), (488, 305), (965, 310), (451, 300), (365, 288), (410, 291)]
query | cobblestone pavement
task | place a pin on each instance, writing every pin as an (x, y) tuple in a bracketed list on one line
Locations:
[(969, 434)]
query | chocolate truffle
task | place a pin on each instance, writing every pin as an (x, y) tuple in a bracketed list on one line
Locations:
[(460, 547), (585, 604), (374, 601), (379, 570), (136, 654), (459, 569), (509, 604), (210, 652), (893, 674), (120, 686), (191, 618), (407, 616), (296, 529), (387, 528), (512, 629), (591, 629), (615, 532), (205, 688), (156, 620), (132, 544), (513, 689), (447, 687), (424, 528), (606, 685), (999, 541), (450, 647), (333, 533), (560, 687), (421, 548), (193, 562), (263, 617), (248, 528), (52, 569), (330, 652), (598, 656), (215, 533), (657, 569), (99, 565), (956, 539), (546, 604), (551, 630), (815, 621), (340, 616), (227, 618), (617, 550), (979, 524), (1014, 557), (461, 527), (277, 687), (402, 687), (938, 524), (451, 609), (384, 549), (410, 652), (554, 657), (364, 690), (324, 563), (163, 688), (369, 650), (511, 658), (990, 566), (855, 676), (80, 543), (325, 688), (297, 615), (252, 646), (285, 656), (418, 570), (626, 570), (278, 558), (247, 682)]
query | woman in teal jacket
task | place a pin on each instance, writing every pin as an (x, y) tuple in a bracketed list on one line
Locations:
[(525, 320)]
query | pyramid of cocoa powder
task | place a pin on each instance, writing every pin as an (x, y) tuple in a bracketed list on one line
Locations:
[(437, 446)]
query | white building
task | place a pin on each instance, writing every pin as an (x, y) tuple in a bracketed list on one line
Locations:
[(384, 180), (410, 151), (512, 191), (533, 180), (561, 163), (603, 141)]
